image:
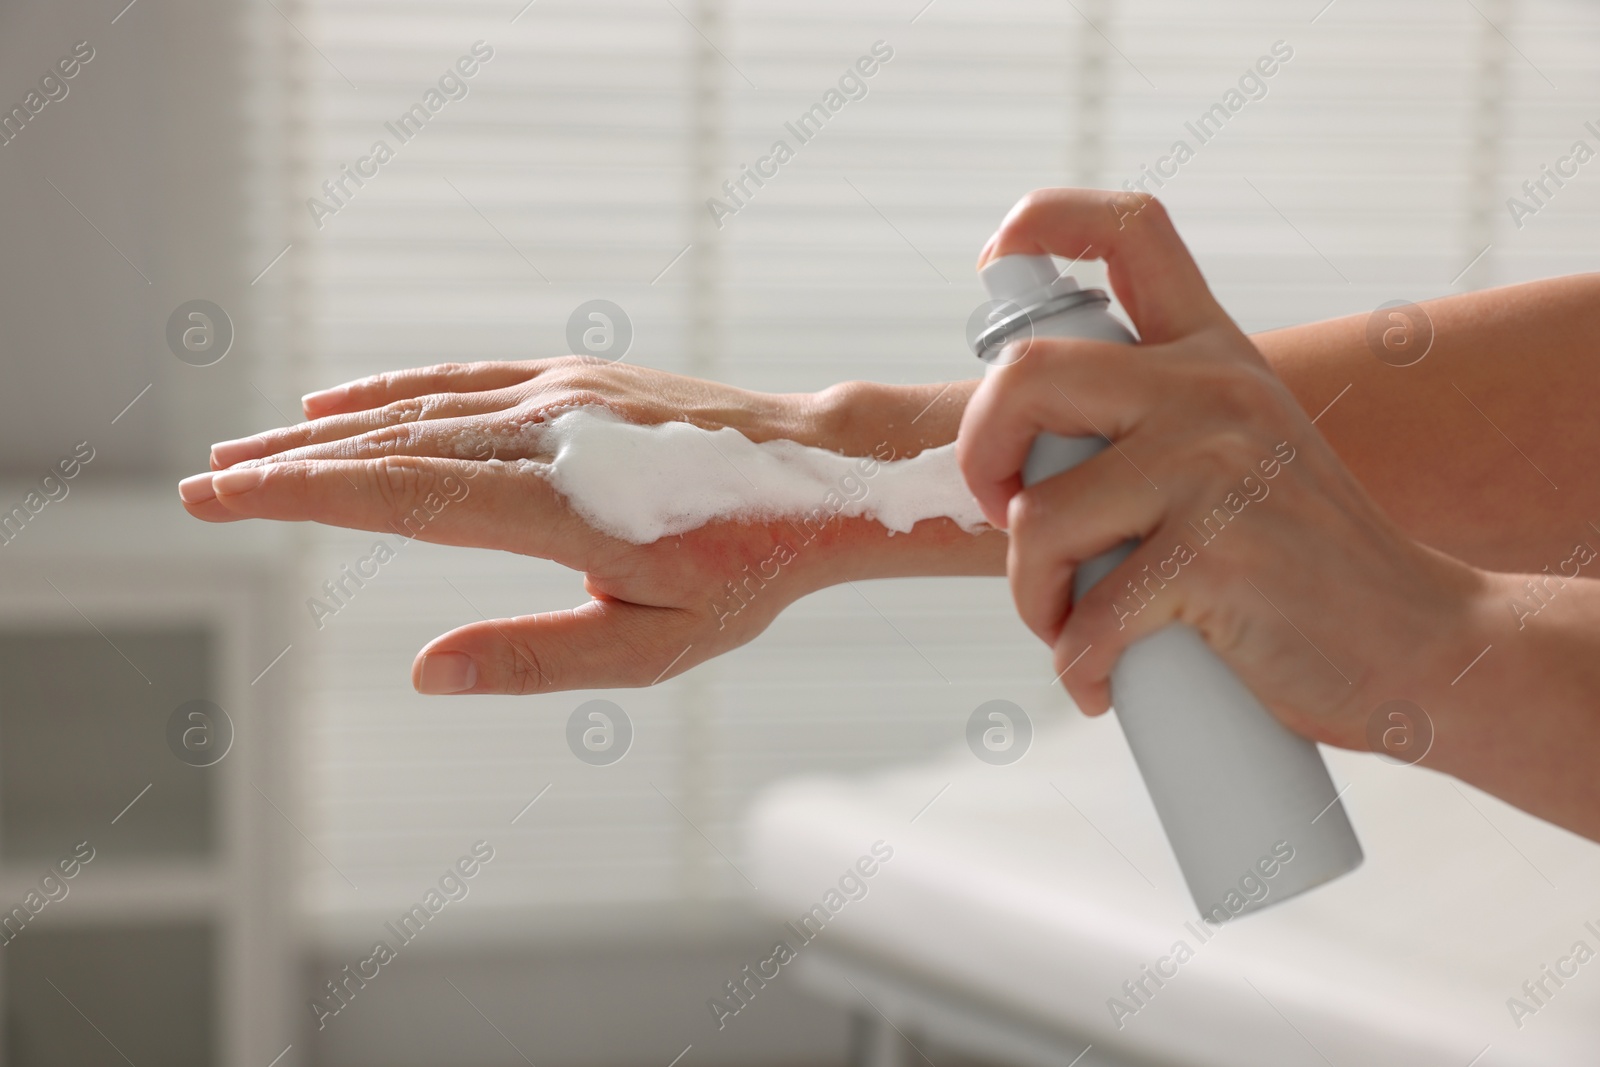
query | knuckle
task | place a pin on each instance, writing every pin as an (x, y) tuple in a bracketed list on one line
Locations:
[(1153, 212), (575, 380), (433, 406), (1225, 631), (1030, 353), (389, 441), (1131, 202), (1129, 208), (380, 383), (293, 437), (1146, 211), (1233, 393), (1025, 516), (1101, 618), (294, 476), (1244, 393), (574, 365), (576, 397), (1225, 451), (399, 411), (397, 481), (526, 673), (1031, 204), (1032, 358), (582, 379)]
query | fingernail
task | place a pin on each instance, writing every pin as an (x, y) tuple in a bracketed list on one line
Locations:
[(227, 453), (983, 253), (238, 480), (447, 672), (323, 398), (196, 489)]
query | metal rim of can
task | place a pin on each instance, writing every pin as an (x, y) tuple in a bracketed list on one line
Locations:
[(998, 334)]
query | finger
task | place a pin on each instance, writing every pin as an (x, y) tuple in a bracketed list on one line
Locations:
[(338, 427), (1143, 593), (1063, 521), (453, 502), (418, 381), (1150, 268), (198, 500), (444, 438), (1069, 387), (604, 644)]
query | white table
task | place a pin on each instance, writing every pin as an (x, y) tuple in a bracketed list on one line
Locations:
[(1019, 901)]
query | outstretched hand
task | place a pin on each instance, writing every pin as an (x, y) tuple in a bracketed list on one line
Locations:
[(375, 450), (440, 453)]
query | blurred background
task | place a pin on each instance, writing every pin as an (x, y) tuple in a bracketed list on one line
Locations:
[(260, 789)]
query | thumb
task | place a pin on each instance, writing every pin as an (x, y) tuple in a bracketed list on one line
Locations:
[(604, 644)]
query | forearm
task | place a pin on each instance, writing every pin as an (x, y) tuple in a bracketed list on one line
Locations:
[(1483, 450), (1466, 449)]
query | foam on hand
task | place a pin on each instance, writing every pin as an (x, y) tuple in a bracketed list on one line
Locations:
[(642, 483)]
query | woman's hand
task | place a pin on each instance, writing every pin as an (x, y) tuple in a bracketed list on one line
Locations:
[(430, 453), (1252, 529)]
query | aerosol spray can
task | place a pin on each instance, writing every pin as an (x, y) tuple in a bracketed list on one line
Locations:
[(1247, 805)]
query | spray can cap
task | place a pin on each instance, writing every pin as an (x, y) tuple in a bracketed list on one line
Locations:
[(1023, 290), (1025, 280)]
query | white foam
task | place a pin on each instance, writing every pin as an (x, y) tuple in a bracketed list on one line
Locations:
[(642, 483)]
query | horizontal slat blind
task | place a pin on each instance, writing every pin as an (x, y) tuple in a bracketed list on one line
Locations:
[(1375, 168), (561, 176)]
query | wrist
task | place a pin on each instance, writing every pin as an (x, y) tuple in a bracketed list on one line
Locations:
[(1466, 674), (889, 422), (878, 419)]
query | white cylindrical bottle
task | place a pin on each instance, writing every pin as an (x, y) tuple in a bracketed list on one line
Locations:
[(1247, 805)]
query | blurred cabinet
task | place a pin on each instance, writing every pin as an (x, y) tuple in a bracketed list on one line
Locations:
[(145, 811), (151, 984)]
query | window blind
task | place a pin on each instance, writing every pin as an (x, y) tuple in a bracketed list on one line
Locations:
[(1373, 165)]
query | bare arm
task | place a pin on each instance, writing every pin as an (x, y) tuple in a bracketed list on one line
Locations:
[(1486, 448), (1464, 451)]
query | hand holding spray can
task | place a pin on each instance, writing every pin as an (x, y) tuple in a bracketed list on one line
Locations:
[(1237, 792)]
